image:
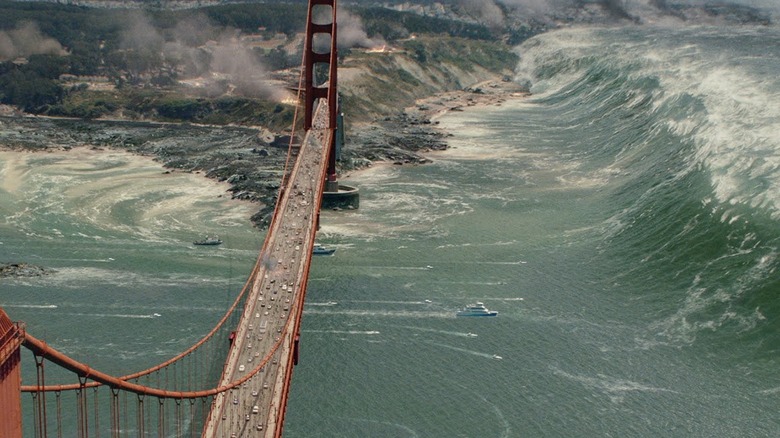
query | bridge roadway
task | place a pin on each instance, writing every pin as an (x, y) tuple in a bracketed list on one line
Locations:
[(262, 353)]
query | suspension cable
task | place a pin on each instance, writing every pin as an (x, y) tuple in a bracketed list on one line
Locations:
[(178, 357), (85, 372)]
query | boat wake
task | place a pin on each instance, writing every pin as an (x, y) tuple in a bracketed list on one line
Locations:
[(467, 351), (345, 332), (328, 303), (32, 306), (115, 315), (443, 332), (379, 313)]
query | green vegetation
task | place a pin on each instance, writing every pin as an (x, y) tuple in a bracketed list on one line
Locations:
[(394, 25), (462, 53), (424, 66), (140, 57), (175, 107), (33, 85)]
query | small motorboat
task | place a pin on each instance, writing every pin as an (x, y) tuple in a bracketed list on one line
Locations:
[(321, 250), (208, 241)]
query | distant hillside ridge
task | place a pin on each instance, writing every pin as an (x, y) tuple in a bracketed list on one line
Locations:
[(384, 81)]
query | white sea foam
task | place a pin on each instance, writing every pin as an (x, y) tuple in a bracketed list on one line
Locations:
[(114, 192), (479, 244), (613, 386), (740, 142), (475, 141), (703, 299), (414, 208), (736, 131), (77, 277)]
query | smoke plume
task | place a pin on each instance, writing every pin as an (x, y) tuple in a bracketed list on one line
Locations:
[(216, 60), (351, 32), (27, 40), (486, 12)]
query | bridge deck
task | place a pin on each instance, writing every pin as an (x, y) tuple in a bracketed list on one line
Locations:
[(264, 347)]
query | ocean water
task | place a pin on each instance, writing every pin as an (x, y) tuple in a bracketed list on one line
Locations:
[(623, 221), (129, 288)]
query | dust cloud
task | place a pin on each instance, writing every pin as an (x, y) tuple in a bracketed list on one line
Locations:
[(211, 59), (25, 40)]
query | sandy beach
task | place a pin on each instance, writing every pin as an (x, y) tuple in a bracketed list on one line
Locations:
[(485, 93), (428, 110)]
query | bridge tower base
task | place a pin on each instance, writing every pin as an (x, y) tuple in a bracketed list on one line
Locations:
[(11, 338), (341, 197)]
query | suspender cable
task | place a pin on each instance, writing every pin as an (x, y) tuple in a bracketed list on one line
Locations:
[(81, 396), (192, 418), (177, 415), (126, 410), (97, 411), (139, 416), (41, 400), (160, 417), (80, 413), (36, 415), (57, 396), (114, 413)]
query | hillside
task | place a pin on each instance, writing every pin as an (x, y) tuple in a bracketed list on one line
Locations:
[(380, 83), (210, 89)]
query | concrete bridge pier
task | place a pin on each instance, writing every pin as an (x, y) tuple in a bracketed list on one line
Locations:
[(340, 196)]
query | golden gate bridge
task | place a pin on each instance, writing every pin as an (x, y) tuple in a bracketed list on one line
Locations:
[(196, 393)]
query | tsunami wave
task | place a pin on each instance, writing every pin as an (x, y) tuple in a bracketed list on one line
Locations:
[(685, 139)]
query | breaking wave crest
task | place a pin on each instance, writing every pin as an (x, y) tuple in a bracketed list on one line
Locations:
[(688, 141)]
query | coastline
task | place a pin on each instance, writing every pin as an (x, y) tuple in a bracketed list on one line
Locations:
[(422, 119), (104, 178), (241, 157), (110, 192), (486, 93)]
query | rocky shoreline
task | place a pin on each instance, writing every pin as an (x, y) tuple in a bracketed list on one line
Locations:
[(23, 270), (406, 137), (248, 159)]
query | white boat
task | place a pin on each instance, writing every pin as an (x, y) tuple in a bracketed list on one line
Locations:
[(477, 309), (321, 250), (208, 241)]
